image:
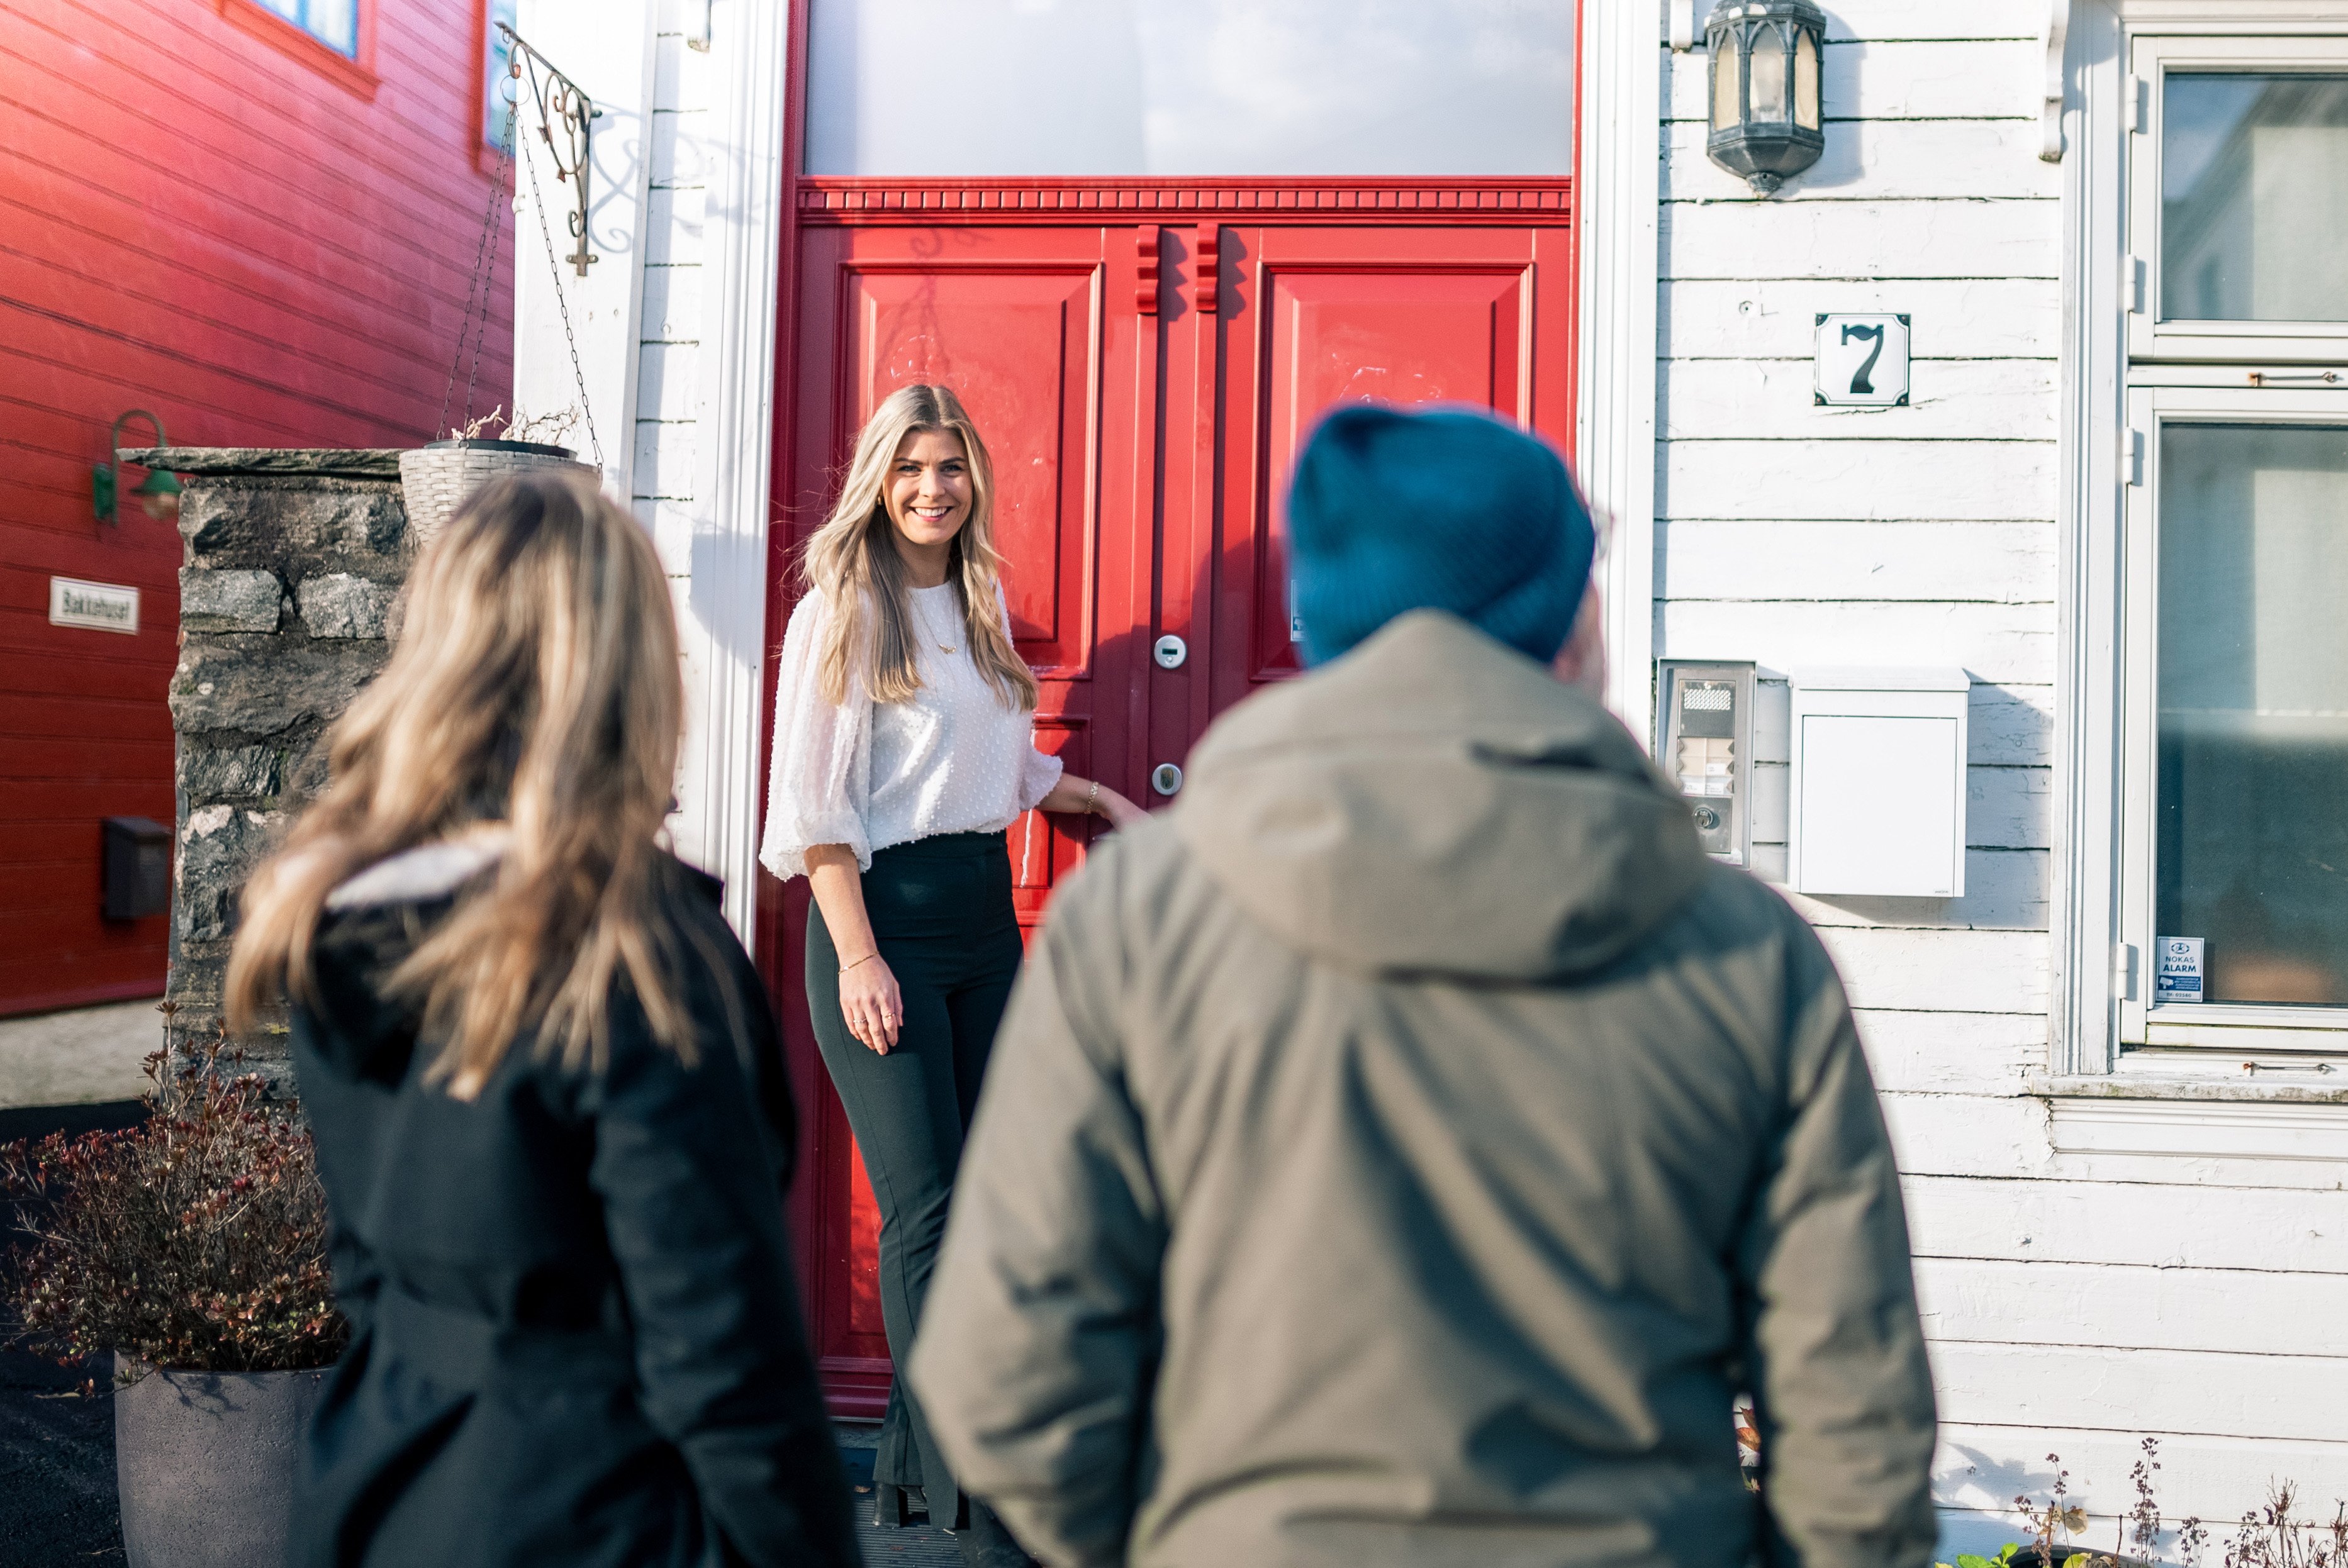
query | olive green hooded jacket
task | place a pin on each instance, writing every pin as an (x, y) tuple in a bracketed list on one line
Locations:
[(1404, 1152)]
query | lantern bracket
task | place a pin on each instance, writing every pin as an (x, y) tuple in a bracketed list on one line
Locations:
[(560, 101)]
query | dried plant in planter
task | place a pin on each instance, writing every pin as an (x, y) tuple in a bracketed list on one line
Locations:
[(195, 1241), (2270, 1537)]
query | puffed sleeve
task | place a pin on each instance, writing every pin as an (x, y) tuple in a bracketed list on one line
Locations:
[(1037, 772), (822, 778)]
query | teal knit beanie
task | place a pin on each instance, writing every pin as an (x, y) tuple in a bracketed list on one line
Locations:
[(1447, 509)]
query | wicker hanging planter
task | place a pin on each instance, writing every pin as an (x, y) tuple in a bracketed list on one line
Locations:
[(436, 478)]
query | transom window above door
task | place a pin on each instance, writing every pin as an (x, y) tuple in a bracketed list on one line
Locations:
[(1185, 88), (2240, 205)]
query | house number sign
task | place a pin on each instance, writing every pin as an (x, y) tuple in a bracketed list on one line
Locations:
[(1863, 361)]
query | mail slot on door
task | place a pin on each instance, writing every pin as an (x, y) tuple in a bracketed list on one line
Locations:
[(1705, 745)]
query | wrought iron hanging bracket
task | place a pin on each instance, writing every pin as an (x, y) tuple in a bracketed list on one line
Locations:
[(560, 101)]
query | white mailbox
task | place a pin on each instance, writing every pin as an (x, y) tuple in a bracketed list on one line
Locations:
[(1878, 785)]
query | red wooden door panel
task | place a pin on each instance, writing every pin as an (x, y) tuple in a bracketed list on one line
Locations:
[(1322, 317), (1025, 325), (1143, 387)]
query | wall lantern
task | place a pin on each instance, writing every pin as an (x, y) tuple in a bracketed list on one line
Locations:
[(1767, 125), (158, 493)]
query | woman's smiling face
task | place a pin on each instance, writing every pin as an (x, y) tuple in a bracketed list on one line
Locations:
[(929, 488)]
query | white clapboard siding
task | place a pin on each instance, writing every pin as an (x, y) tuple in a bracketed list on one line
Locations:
[(1776, 318), (665, 459), (672, 303), (1872, 161), (2005, 889), (2007, 724), (1902, 19), (1720, 558), (2294, 1398), (664, 379), (1996, 481), (1777, 399), (673, 225), (1982, 1467), (1935, 79), (2181, 1224), (2005, 808), (2121, 1307), (670, 328), (1966, 1134), (1952, 1052), (1994, 643), (1864, 240), (1950, 971)]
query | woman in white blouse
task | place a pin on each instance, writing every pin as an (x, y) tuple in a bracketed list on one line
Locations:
[(905, 748)]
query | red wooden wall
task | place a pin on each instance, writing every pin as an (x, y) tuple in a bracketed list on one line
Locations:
[(204, 213)]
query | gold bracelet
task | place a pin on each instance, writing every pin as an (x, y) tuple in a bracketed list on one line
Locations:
[(1092, 800), (865, 959)]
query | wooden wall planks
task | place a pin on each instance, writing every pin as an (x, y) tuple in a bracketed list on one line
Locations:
[(262, 256)]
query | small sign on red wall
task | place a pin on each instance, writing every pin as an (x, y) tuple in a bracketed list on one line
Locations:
[(93, 606)]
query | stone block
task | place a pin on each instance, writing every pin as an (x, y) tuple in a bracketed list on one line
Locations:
[(219, 847), (269, 688), (273, 522), (232, 772), (339, 605), (229, 600)]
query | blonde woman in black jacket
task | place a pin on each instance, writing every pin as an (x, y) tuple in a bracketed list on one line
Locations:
[(550, 1113)]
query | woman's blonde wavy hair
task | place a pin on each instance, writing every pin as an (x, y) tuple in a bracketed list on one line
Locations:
[(535, 687), (853, 562)]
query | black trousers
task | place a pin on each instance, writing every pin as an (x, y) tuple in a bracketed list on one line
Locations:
[(941, 910)]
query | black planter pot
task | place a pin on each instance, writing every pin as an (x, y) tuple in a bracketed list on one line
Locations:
[(205, 1464)]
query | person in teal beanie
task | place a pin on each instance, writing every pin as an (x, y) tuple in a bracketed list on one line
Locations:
[(1448, 508)]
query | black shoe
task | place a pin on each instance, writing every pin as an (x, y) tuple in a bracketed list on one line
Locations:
[(986, 1545)]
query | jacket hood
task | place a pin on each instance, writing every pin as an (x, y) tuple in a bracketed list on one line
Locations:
[(1434, 802)]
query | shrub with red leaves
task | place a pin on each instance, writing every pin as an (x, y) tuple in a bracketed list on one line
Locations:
[(195, 1241)]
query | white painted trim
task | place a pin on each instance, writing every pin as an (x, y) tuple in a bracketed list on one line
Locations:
[(2085, 904), (2200, 1127), (725, 622), (1617, 199), (2053, 44)]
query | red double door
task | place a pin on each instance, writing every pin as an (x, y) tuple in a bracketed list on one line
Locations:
[(1143, 387)]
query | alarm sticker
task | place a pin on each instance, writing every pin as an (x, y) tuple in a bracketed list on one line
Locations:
[(2178, 978)]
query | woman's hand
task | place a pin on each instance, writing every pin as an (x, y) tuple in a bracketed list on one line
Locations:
[(868, 997), (1077, 794), (870, 1001)]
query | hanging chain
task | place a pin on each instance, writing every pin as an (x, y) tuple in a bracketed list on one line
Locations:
[(483, 280), (554, 269)]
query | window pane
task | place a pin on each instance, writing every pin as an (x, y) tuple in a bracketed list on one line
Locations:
[(1807, 107), (1727, 89), (2254, 198), (497, 88), (1181, 88), (2252, 854), (1769, 75)]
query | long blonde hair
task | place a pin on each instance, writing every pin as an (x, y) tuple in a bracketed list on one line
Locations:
[(535, 683), (853, 562)]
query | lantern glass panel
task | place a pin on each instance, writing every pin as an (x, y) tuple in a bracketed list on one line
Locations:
[(1806, 80), (1727, 86), (1768, 67)]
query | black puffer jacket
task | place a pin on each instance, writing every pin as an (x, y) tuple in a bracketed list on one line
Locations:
[(575, 1334)]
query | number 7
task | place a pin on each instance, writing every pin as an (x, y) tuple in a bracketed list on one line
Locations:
[(1859, 384)]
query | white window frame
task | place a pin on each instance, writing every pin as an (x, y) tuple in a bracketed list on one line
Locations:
[(2154, 59), (2123, 372), (2232, 1027)]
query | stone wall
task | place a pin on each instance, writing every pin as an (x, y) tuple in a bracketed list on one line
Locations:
[(294, 559)]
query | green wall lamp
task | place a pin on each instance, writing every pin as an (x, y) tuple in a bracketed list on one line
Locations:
[(158, 493)]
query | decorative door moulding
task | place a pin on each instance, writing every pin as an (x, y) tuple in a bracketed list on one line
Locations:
[(840, 200)]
